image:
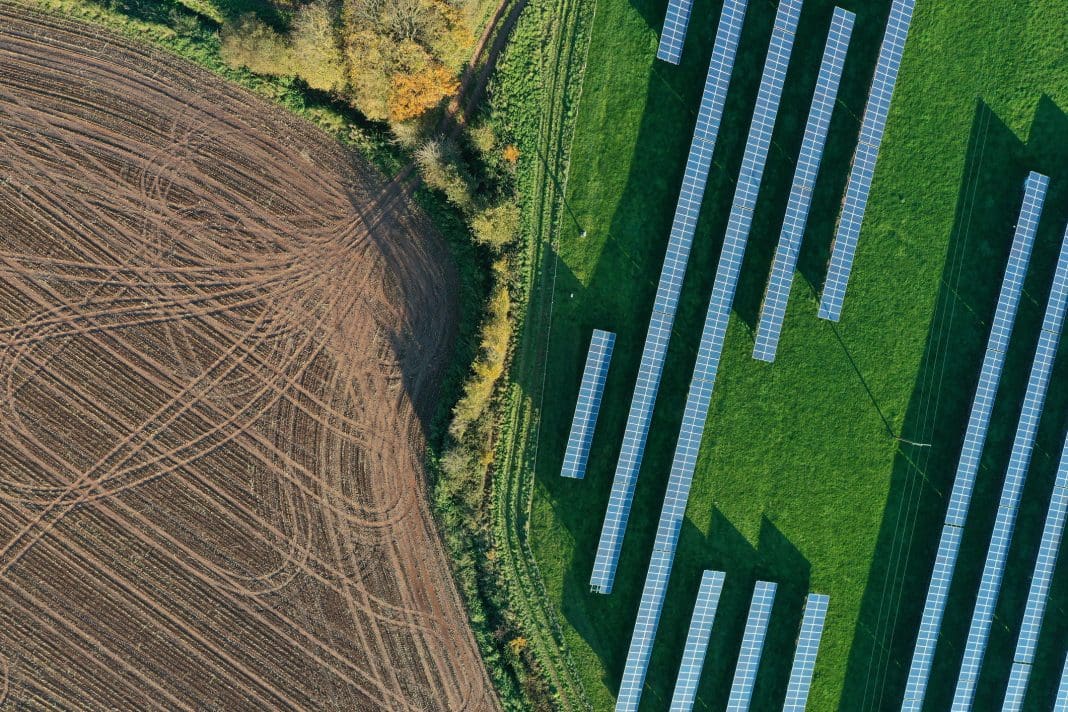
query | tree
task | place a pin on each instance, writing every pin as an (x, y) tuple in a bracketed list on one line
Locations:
[(252, 44), (403, 55), (414, 94), (496, 226), (316, 51), (370, 62)]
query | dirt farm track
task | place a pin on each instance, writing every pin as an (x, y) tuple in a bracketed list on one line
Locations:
[(219, 338)]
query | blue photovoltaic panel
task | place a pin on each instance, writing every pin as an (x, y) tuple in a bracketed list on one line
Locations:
[(974, 440), (673, 36), (588, 405), (1000, 332), (1061, 703), (1052, 533), (667, 295), (693, 657), (756, 627), (863, 169), (808, 166), (1014, 693), (1015, 477), (708, 352), (808, 645), (931, 623)]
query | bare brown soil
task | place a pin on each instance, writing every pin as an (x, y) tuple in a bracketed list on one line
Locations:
[(219, 338)]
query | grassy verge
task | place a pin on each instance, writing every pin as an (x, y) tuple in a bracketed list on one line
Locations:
[(801, 477), (535, 94)]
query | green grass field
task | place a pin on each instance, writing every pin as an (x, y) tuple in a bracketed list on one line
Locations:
[(802, 478)]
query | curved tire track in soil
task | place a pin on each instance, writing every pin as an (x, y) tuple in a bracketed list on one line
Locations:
[(219, 336)]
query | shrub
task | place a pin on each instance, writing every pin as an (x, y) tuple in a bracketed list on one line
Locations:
[(440, 170), (497, 226), (316, 51), (484, 138), (252, 44), (496, 335)]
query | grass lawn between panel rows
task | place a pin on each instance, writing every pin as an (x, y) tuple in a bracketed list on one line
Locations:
[(828, 470)]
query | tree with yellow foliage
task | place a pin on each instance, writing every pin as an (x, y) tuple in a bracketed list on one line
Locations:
[(404, 56), (391, 59), (414, 94)]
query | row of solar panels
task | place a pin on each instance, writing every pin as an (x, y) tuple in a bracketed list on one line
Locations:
[(863, 170), (1038, 594), (708, 353), (588, 406), (667, 295), (1023, 444), (745, 672)]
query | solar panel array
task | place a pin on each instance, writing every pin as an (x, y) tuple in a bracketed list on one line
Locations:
[(667, 295), (708, 353), (693, 656), (1012, 489), (863, 169), (756, 628), (808, 645), (1061, 703), (808, 166), (673, 36), (589, 404), (1052, 533), (974, 440)]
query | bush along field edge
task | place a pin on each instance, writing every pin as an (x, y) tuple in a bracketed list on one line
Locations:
[(485, 482), (535, 98)]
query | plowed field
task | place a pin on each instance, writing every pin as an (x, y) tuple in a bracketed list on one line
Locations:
[(219, 336)]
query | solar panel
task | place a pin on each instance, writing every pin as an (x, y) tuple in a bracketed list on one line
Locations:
[(1014, 693), (1037, 596), (673, 36), (863, 169), (808, 165), (808, 645), (1061, 703), (974, 440), (667, 295), (756, 627), (708, 353), (931, 623), (589, 404), (693, 656), (1000, 332), (1012, 489)]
